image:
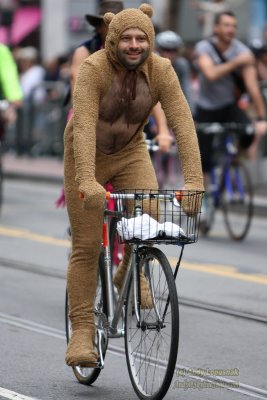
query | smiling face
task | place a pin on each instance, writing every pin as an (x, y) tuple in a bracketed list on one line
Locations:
[(133, 48)]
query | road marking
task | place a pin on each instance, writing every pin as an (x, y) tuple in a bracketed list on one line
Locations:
[(118, 351), (8, 394), (212, 269), (221, 270), (24, 234)]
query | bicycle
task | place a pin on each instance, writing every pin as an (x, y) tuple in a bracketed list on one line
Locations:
[(230, 184), (150, 334)]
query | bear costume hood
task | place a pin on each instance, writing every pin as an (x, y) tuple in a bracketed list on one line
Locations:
[(130, 18)]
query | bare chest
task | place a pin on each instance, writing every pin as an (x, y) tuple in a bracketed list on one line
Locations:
[(135, 110)]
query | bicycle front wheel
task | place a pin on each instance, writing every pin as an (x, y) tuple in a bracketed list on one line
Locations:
[(152, 343), (84, 375), (237, 200)]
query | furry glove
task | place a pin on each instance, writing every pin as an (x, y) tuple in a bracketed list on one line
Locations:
[(93, 195)]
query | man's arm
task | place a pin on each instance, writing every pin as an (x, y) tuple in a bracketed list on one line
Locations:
[(250, 78), (80, 54), (164, 137), (213, 72)]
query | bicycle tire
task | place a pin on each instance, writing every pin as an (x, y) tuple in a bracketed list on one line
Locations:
[(151, 373), (237, 206), (87, 376)]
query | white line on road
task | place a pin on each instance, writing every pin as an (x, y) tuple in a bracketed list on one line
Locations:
[(8, 394), (231, 385)]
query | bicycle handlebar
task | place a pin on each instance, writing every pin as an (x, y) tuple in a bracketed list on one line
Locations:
[(224, 128), (142, 195), (152, 145)]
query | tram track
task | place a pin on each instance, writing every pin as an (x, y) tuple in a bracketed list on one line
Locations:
[(186, 302), (200, 379)]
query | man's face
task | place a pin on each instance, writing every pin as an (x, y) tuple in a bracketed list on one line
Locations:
[(133, 48), (226, 28)]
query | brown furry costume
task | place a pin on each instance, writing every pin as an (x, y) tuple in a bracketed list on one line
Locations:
[(104, 142)]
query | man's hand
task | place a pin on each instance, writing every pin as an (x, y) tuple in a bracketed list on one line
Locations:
[(260, 128), (92, 194), (164, 141)]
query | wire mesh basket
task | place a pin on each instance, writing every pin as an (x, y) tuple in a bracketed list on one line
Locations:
[(158, 216)]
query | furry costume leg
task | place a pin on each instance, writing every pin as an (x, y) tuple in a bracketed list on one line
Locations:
[(125, 169), (86, 230)]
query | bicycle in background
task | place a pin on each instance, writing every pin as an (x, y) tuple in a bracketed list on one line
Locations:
[(151, 333), (230, 187)]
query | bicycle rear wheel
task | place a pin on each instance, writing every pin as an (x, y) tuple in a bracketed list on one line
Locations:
[(87, 376), (237, 200), (152, 345)]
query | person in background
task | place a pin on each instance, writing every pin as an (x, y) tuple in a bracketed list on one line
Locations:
[(169, 45), (97, 42), (10, 88), (261, 62), (31, 73), (217, 101)]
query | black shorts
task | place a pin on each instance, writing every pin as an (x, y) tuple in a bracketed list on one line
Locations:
[(231, 113)]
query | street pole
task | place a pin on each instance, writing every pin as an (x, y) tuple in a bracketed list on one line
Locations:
[(54, 28)]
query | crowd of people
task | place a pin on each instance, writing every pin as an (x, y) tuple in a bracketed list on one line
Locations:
[(186, 61)]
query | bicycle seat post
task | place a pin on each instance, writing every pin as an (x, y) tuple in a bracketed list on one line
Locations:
[(107, 264)]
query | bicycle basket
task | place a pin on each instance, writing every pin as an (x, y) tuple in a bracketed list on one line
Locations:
[(159, 216)]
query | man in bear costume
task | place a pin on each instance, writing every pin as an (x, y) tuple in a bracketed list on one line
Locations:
[(114, 94)]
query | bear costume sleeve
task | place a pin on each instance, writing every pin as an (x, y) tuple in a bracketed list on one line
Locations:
[(85, 116)]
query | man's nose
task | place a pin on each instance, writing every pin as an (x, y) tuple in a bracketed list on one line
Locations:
[(134, 43)]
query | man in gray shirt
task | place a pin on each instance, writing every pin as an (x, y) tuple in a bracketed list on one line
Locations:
[(217, 58)]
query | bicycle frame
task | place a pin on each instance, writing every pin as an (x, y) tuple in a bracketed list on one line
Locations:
[(226, 182), (114, 314)]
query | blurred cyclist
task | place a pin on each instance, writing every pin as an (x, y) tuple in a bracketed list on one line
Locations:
[(169, 45), (223, 61)]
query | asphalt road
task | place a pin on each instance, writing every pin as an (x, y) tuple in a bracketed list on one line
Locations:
[(215, 272)]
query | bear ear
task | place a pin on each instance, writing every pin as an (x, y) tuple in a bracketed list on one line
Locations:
[(108, 18), (146, 9)]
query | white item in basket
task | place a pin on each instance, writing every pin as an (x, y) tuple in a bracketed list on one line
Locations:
[(145, 227)]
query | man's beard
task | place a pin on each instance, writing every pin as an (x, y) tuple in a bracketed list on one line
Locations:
[(132, 64)]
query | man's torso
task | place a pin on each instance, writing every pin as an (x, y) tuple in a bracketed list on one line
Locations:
[(112, 135), (219, 93)]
